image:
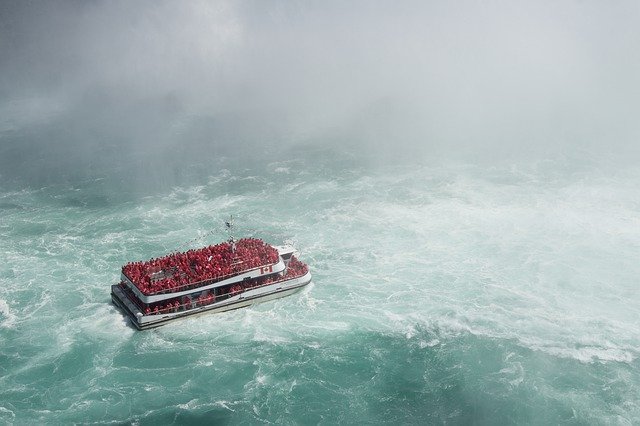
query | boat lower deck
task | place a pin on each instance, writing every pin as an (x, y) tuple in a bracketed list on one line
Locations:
[(246, 298)]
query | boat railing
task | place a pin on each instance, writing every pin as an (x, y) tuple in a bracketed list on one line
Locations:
[(195, 284), (217, 298)]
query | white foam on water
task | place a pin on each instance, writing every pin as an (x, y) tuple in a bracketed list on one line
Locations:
[(192, 404), (474, 235), (4, 412), (8, 317), (224, 404)]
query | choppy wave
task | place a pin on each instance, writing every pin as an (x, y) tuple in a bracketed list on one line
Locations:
[(441, 294)]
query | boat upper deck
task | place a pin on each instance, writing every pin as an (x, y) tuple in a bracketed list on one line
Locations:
[(181, 271)]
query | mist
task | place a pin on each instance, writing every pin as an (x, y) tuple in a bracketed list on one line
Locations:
[(160, 91)]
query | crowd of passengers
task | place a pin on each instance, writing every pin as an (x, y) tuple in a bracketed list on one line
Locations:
[(295, 269), (178, 271)]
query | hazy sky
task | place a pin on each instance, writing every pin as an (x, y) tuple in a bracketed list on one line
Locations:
[(415, 78)]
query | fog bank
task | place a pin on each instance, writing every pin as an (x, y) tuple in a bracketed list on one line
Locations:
[(150, 89)]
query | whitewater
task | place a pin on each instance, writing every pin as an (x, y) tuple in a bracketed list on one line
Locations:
[(442, 294)]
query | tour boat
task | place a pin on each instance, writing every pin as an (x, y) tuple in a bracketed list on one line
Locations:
[(216, 278)]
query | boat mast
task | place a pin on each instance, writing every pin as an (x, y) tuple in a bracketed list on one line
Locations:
[(229, 225)]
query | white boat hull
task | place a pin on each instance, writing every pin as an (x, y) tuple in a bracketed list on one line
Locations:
[(246, 298)]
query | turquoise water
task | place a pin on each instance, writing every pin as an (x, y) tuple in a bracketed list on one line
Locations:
[(442, 294)]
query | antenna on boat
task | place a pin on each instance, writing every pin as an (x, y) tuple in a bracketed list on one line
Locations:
[(229, 225)]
